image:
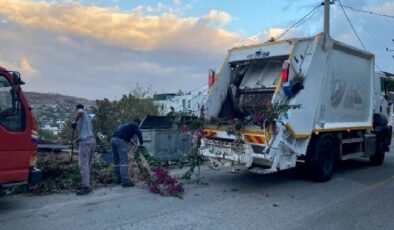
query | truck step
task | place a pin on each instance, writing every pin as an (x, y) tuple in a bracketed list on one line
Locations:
[(352, 140), (352, 155)]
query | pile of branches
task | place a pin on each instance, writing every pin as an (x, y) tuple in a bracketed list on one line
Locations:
[(61, 174), (155, 176)]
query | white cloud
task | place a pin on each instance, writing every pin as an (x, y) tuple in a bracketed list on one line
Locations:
[(26, 68), (177, 2), (132, 30), (9, 65), (96, 52), (22, 66)]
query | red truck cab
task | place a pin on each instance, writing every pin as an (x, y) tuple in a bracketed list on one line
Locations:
[(18, 134)]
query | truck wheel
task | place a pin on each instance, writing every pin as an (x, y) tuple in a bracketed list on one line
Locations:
[(378, 157), (321, 158)]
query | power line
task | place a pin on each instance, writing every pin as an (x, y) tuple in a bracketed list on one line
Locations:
[(299, 21), (205, 90), (351, 25), (355, 32), (367, 12), (205, 84), (389, 25)]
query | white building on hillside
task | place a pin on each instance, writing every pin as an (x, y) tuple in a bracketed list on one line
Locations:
[(189, 103)]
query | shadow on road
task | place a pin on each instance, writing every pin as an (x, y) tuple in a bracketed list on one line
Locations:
[(357, 170), (7, 205)]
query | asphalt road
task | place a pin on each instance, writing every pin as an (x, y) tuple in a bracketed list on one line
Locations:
[(359, 196)]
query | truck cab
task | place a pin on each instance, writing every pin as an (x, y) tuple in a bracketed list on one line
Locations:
[(18, 134)]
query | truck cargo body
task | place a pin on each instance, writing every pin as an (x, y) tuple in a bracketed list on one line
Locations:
[(334, 85)]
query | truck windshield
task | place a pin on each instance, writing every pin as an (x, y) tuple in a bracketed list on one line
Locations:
[(12, 114), (5, 94)]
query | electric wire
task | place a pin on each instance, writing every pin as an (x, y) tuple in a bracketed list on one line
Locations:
[(299, 22), (202, 92), (199, 87), (355, 32), (367, 12), (351, 25)]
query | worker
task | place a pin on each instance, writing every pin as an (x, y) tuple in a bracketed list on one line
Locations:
[(172, 112), (87, 143), (119, 141)]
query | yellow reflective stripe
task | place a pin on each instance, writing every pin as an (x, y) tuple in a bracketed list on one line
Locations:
[(294, 134), (254, 139), (343, 129), (218, 74), (254, 132), (277, 87), (268, 133), (243, 132), (293, 47)]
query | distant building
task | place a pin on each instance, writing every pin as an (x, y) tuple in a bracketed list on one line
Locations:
[(188, 103), (51, 129), (60, 124)]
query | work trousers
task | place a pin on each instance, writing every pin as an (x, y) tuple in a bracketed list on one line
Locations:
[(121, 161), (86, 150)]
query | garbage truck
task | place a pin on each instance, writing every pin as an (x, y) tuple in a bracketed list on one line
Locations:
[(324, 99)]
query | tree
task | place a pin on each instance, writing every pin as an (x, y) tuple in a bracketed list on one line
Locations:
[(106, 116), (66, 133), (110, 114), (45, 136)]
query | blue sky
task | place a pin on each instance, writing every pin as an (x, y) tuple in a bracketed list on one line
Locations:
[(249, 17), (105, 48)]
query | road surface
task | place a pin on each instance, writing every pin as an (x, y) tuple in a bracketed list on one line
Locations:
[(359, 196)]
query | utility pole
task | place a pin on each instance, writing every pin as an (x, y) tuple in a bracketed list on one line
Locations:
[(327, 17), (326, 25), (390, 50)]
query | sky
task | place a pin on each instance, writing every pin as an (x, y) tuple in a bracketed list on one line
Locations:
[(99, 49)]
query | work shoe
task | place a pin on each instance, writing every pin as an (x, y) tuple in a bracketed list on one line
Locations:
[(127, 184), (83, 191)]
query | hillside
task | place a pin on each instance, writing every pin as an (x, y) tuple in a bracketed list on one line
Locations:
[(35, 98), (52, 110)]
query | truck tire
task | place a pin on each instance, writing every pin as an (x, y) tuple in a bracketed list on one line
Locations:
[(378, 157), (321, 157)]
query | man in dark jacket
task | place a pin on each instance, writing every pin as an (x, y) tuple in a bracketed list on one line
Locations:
[(119, 141)]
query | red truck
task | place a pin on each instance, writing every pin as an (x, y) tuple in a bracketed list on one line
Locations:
[(18, 134)]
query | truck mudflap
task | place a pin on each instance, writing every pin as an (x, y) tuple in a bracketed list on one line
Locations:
[(35, 176)]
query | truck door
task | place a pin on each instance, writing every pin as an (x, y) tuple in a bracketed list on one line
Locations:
[(15, 141)]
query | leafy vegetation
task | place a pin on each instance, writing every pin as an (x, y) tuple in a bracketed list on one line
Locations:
[(110, 114), (62, 175), (155, 176)]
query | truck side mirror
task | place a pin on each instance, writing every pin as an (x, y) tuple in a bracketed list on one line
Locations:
[(16, 78)]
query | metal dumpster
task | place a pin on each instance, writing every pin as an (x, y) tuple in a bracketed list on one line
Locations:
[(164, 140)]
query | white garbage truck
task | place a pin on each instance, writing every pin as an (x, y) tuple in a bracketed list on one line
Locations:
[(327, 99)]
